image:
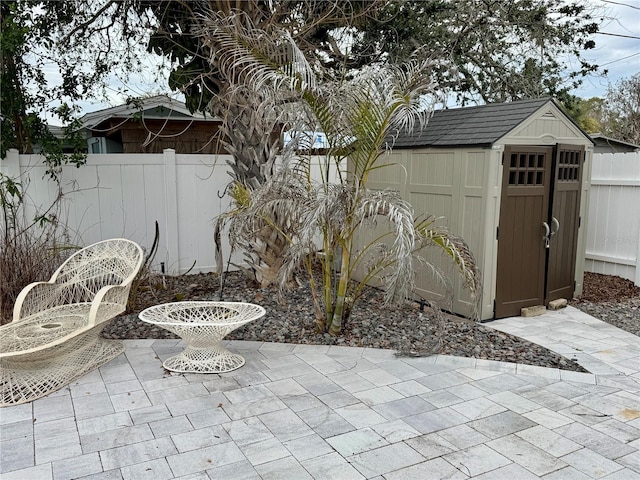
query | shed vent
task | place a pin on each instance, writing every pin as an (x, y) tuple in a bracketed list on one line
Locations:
[(549, 115)]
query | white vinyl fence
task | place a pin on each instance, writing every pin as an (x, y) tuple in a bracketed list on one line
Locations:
[(613, 228), (122, 195)]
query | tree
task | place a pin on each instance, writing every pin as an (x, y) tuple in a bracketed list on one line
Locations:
[(474, 39), (21, 124), (204, 71), (616, 116), (82, 41), (200, 72), (622, 110), (493, 51), (490, 50), (587, 113)]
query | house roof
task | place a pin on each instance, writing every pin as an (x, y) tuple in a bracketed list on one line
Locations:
[(477, 126), (608, 141), (160, 106)]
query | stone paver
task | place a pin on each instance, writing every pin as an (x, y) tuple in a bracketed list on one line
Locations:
[(318, 412)]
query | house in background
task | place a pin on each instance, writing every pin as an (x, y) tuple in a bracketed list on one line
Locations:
[(150, 126), (611, 145)]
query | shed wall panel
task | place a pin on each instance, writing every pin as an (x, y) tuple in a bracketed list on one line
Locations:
[(391, 173), (432, 168), (474, 170), (450, 184)]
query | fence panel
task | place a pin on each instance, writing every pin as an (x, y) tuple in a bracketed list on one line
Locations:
[(613, 226), (122, 195)]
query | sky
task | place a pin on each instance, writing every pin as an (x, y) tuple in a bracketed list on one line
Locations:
[(616, 52), (617, 49)]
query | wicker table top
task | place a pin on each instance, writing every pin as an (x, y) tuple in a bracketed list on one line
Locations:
[(201, 313)]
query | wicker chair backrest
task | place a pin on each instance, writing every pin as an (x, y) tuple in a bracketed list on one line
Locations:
[(110, 262)]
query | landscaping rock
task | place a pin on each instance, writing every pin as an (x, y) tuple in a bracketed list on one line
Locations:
[(408, 330), (534, 311), (557, 304)]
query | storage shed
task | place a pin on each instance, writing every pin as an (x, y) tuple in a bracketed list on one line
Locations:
[(513, 180)]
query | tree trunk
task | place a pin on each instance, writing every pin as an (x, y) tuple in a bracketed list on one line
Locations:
[(252, 138)]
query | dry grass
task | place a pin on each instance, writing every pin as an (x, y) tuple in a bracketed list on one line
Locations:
[(30, 255)]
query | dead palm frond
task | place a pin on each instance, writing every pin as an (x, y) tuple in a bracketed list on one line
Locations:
[(252, 56)]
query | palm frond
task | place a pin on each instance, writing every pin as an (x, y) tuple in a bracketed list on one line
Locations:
[(458, 250), (253, 56), (375, 104), (389, 205)]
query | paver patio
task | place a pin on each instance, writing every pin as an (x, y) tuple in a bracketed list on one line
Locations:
[(326, 412)]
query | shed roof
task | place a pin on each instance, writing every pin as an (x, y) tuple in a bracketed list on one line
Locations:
[(478, 126), (159, 106), (604, 141)]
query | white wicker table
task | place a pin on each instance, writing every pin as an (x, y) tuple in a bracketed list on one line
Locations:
[(202, 325)]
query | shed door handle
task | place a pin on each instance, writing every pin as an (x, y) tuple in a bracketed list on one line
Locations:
[(554, 223), (547, 234)]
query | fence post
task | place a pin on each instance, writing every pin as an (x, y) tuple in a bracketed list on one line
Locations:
[(171, 196)]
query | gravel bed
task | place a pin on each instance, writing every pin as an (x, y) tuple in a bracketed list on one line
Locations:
[(624, 314), (612, 299), (405, 328)]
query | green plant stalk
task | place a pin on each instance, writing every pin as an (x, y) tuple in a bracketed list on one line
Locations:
[(327, 262), (358, 290), (341, 294), (320, 319)]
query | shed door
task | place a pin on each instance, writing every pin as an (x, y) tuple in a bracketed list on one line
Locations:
[(538, 230), (521, 248), (565, 219)]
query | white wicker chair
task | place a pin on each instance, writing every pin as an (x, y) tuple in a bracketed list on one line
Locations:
[(54, 337)]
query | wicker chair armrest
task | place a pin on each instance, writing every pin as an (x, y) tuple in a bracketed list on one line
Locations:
[(108, 302), (38, 296)]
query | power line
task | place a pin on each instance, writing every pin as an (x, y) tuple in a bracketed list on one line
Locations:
[(619, 3), (619, 59), (618, 35)]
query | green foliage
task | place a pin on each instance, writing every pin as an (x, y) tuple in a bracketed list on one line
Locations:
[(22, 125), (313, 24), (616, 116), (81, 40), (495, 50), (587, 113)]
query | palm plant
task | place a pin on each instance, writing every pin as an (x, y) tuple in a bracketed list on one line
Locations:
[(357, 118), (311, 212)]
